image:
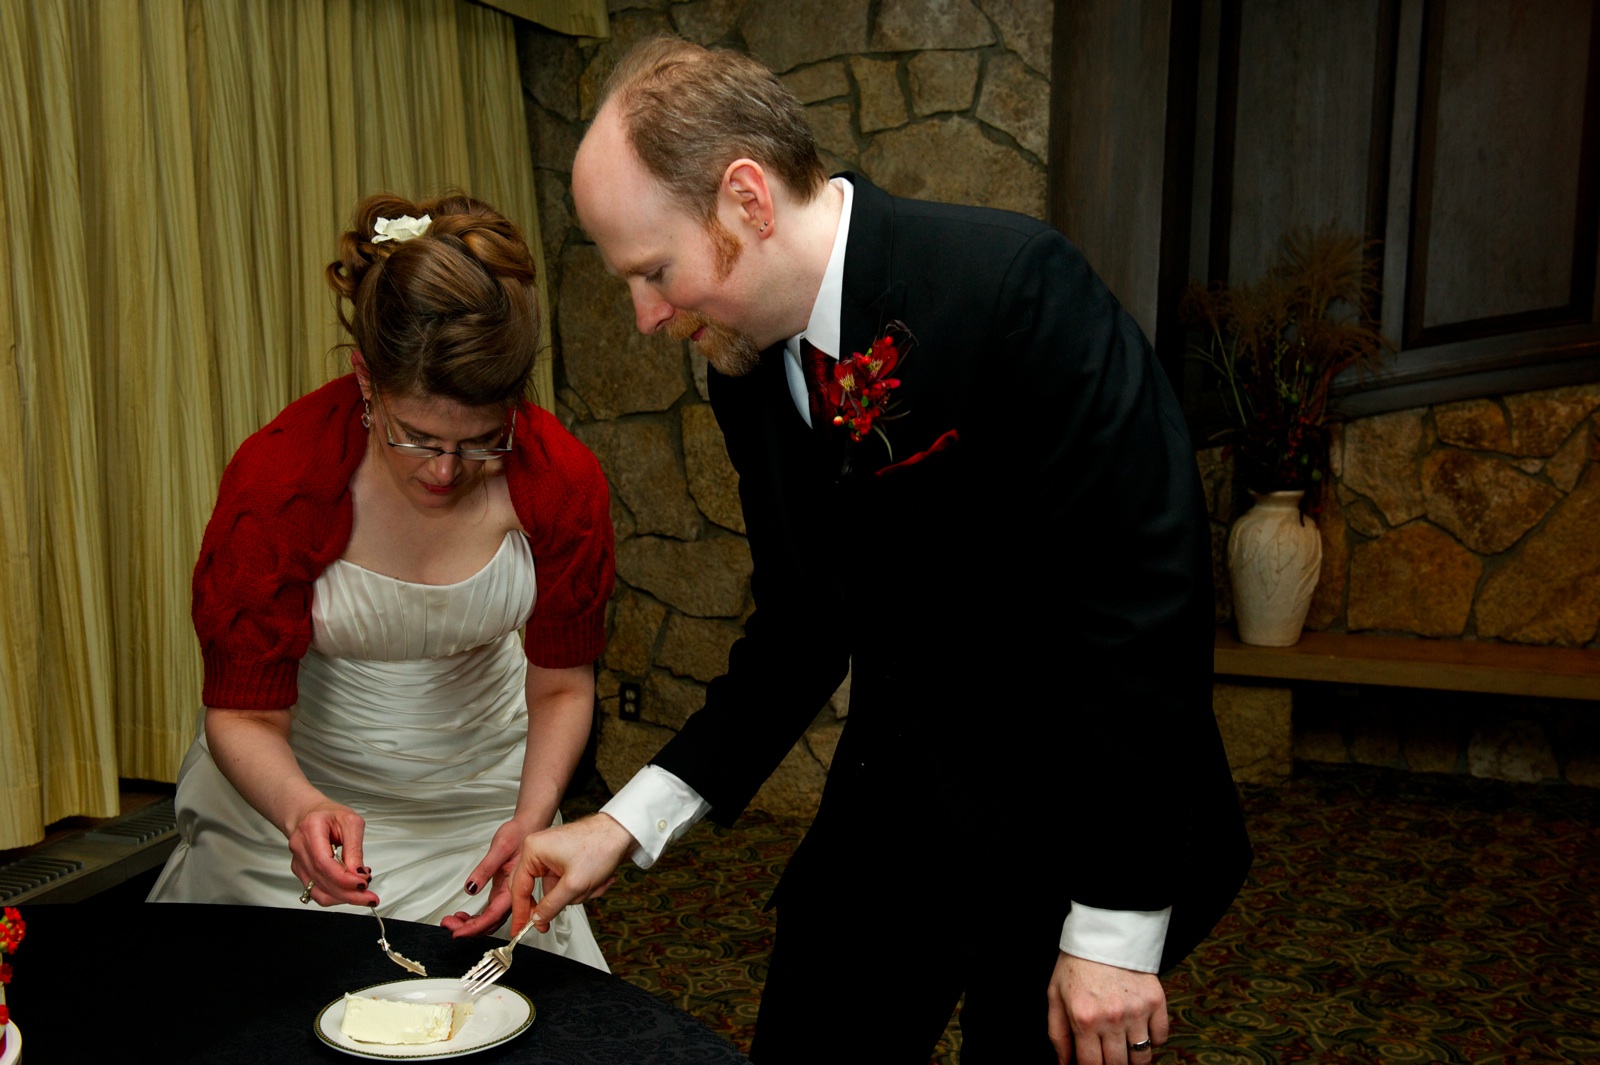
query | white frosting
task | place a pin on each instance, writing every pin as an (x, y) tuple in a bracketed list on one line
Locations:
[(383, 1020)]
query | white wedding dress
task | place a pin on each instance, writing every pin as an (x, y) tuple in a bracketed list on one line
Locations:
[(413, 713)]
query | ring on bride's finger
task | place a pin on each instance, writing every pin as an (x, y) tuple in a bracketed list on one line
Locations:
[(1139, 1047), (305, 896)]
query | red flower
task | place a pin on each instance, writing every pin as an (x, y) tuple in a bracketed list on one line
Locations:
[(12, 930), (5, 1015), (859, 391), (5, 972)]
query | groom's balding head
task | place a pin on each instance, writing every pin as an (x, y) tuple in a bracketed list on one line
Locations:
[(689, 111)]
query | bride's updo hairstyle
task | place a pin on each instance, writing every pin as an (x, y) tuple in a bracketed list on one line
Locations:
[(451, 312)]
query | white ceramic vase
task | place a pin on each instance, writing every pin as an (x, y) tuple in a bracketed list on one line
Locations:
[(1274, 558)]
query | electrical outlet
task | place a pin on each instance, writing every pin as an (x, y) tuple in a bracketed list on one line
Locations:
[(628, 699)]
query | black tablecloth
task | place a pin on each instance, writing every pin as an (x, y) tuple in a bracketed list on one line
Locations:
[(186, 983)]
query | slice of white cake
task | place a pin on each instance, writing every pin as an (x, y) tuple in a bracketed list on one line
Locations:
[(389, 1021)]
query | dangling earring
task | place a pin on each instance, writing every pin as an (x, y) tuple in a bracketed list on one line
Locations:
[(366, 414)]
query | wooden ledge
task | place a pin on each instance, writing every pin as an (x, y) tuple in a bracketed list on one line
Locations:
[(1401, 662)]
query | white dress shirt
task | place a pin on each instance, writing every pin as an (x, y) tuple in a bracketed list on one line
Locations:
[(656, 807)]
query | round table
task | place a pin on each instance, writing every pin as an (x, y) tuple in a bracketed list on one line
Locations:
[(245, 983)]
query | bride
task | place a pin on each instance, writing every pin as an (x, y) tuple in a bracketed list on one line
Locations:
[(375, 734)]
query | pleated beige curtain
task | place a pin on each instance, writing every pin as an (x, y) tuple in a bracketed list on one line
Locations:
[(173, 175)]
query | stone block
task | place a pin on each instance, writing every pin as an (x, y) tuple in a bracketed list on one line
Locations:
[(832, 126), (1569, 462), (1359, 514), (550, 67), (1433, 738), (555, 220), (635, 624), (1025, 27), (1380, 462), (552, 140), (921, 25), (1549, 591), (796, 32), (839, 701), (1373, 738), (883, 104), (1514, 749), (1322, 742), (972, 169), (700, 369), (706, 578), (1415, 579), (1484, 501), (1017, 101), (823, 740), (823, 81), (667, 700), (1542, 421), (640, 459), (706, 21), (697, 647), (1476, 423), (612, 367), (624, 747), (628, 28), (1256, 731), (795, 787), (712, 479), (1327, 600), (942, 81)]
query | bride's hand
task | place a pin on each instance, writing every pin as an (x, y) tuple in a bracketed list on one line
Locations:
[(312, 839), (495, 872)]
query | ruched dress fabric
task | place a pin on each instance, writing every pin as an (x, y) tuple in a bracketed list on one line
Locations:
[(413, 713)]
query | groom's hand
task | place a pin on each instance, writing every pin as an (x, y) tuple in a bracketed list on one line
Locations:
[(1098, 1012), (577, 861)]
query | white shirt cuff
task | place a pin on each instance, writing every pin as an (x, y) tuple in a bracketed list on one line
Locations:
[(656, 808), (1128, 939)]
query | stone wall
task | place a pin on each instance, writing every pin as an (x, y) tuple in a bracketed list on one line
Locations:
[(940, 99), (1477, 520)]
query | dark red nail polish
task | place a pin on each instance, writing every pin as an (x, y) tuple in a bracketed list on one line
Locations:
[(363, 885), (364, 871), (472, 888)]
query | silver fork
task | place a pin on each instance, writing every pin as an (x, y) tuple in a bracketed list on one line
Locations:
[(394, 956), (492, 966)]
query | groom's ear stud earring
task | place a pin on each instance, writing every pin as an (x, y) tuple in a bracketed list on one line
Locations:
[(763, 228)]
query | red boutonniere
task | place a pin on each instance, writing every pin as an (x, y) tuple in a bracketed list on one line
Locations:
[(859, 391)]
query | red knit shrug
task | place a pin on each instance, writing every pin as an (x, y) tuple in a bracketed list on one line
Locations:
[(284, 513)]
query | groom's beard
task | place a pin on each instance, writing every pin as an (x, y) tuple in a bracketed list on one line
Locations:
[(728, 351)]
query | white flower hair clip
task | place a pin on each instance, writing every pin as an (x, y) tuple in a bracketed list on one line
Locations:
[(400, 229)]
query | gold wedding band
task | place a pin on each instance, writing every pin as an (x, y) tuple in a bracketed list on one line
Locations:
[(305, 896)]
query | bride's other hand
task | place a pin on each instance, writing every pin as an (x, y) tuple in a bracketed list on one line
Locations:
[(495, 871)]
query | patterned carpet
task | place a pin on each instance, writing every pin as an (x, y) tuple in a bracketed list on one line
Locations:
[(1389, 918)]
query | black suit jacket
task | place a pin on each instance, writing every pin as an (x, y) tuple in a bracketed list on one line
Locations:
[(1028, 611)]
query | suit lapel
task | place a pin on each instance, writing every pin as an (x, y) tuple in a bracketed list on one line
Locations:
[(873, 300)]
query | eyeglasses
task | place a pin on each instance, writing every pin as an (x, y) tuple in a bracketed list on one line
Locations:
[(467, 454)]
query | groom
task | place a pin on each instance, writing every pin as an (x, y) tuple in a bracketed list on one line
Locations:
[(998, 523)]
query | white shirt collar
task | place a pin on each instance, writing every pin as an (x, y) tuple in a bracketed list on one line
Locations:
[(823, 328)]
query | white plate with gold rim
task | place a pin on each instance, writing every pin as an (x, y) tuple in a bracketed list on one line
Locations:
[(499, 1014)]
